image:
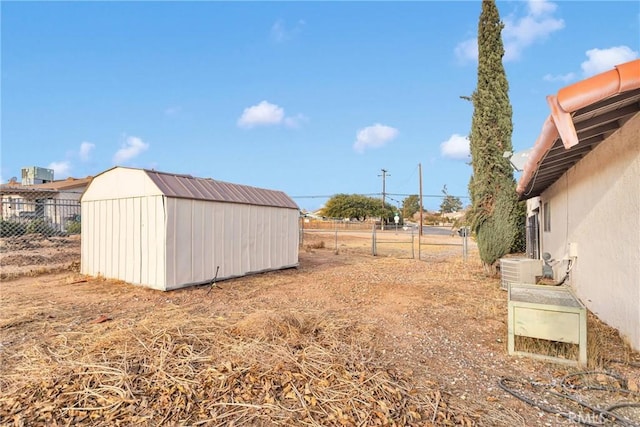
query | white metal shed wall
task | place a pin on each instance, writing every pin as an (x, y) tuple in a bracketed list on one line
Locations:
[(167, 231), (124, 239), (237, 238)]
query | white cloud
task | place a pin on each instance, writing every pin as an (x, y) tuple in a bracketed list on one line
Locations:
[(467, 50), (131, 148), (519, 32), (374, 137), (85, 150), (564, 78), (268, 114), (280, 33), (60, 169), (538, 24), (264, 113), (541, 7), (600, 60), (295, 122), (456, 147), (172, 111)]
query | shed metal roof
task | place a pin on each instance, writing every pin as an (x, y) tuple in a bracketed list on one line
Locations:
[(189, 187), (582, 116)]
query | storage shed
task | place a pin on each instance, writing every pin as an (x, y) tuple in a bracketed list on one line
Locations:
[(168, 231)]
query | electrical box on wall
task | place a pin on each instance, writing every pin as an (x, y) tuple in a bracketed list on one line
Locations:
[(573, 250)]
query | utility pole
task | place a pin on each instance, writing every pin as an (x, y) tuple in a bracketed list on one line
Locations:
[(384, 176), (420, 201)]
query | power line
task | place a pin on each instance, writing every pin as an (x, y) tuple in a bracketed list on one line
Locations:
[(384, 176), (426, 195), (330, 195), (408, 182), (327, 196)]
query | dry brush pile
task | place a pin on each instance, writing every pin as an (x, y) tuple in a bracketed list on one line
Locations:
[(266, 368)]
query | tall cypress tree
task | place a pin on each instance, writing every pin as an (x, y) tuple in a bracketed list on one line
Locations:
[(493, 213)]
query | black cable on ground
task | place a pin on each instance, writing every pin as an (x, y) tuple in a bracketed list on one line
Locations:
[(600, 414), (547, 408)]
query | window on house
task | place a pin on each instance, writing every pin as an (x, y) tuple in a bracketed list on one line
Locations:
[(533, 236), (546, 213)]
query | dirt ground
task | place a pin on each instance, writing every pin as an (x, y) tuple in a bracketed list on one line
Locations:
[(435, 329), (32, 254)]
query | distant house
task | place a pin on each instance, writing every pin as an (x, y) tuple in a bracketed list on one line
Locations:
[(582, 186), (67, 189), (454, 216), (55, 202), (167, 231)]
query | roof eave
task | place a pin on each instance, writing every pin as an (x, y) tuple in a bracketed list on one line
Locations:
[(560, 124)]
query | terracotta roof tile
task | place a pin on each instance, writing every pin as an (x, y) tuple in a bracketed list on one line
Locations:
[(582, 115)]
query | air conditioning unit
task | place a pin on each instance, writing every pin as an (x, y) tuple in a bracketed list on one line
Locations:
[(519, 270)]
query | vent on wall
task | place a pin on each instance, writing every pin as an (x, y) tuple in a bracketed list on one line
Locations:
[(519, 270)]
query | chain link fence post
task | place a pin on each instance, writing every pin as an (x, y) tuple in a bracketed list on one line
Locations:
[(38, 228), (374, 249)]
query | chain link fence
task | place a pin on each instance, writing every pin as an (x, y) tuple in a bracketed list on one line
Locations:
[(40, 213), (397, 241), (39, 231)]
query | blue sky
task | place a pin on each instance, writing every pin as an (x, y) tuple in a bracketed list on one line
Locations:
[(312, 98)]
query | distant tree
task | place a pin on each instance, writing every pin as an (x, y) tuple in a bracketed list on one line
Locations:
[(352, 206), (410, 205), (386, 212), (494, 206), (449, 203)]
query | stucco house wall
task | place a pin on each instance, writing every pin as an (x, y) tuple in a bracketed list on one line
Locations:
[(596, 207)]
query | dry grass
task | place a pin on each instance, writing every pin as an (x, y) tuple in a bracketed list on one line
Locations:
[(344, 340), (35, 254), (599, 351), (315, 245), (543, 347), (270, 368)]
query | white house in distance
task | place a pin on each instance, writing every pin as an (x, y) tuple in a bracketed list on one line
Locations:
[(168, 231), (582, 186), (39, 196)]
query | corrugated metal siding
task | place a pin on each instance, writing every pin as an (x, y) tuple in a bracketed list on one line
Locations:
[(124, 239), (239, 239), (188, 187), (168, 231), (152, 241)]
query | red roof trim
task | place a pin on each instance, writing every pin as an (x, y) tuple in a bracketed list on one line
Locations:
[(623, 78)]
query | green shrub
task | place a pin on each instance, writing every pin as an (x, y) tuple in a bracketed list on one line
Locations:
[(432, 218), (496, 234), (40, 226), (73, 227), (520, 241), (11, 228)]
